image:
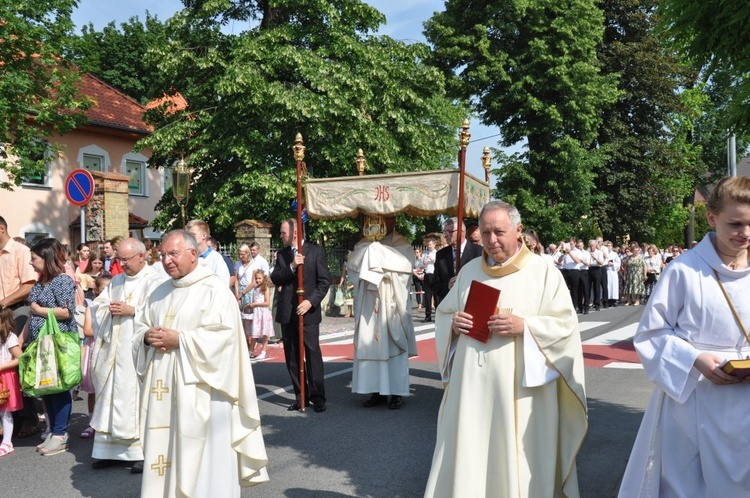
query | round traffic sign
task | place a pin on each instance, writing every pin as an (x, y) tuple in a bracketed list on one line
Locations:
[(79, 187)]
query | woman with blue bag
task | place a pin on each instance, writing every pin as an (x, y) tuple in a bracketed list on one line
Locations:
[(53, 294)]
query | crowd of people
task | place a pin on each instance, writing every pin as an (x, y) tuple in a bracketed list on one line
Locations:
[(170, 332)]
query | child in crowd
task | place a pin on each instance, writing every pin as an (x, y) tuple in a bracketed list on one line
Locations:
[(87, 350), (262, 321), (9, 353)]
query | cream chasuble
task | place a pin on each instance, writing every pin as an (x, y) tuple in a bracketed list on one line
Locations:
[(116, 385), (694, 440), (384, 332), (496, 437), (199, 412)]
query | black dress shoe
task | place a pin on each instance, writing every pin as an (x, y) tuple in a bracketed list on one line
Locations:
[(319, 406), (586, 311), (296, 406), (394, 403), (137, 467), (427, 320), (103, 464), (375, 400)]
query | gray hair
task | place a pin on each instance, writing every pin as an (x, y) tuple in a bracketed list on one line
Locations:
[(454, 223), (190, 241), (513, 215)]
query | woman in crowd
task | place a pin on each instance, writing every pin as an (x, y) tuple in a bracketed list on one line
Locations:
[(83, 252), (635, 276), (693, 440), (55, 291), (653, 269), (417, 276)]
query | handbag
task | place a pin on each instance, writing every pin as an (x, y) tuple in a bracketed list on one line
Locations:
[(52, 362), (338, 299), (4, 392)]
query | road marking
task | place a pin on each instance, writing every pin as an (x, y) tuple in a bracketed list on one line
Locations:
[(624, 365), (290, 388), (613, 337), (584, 326)]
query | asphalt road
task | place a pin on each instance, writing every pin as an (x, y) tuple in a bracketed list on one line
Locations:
[(350, 451)]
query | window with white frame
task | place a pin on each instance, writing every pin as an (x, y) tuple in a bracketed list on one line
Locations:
[(135, 166), (41, 178), (93, 158), (92, 162), (168, 178)]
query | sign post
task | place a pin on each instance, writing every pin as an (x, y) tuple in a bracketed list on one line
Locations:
[(79, 189)]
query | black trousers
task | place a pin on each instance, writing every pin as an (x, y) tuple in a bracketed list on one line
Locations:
[(582, 302), (418, 289), (572, 281), (595, 281), (314, 386), (428, 295)]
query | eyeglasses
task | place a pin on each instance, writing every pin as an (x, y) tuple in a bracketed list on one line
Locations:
[(126, 260), (448, 231), (174, 255)]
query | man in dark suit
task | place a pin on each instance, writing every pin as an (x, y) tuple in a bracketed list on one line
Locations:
[(445, 268), (316, 283)]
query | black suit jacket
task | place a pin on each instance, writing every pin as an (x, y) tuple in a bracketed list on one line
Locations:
[(317, 280), (444, 266)]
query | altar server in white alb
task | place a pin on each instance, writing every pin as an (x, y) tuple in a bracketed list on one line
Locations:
[(513, 415), (199, 413), (384, 332), (694, 440), (116, 415)]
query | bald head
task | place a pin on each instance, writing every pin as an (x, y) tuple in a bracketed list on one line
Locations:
[(132, 255)]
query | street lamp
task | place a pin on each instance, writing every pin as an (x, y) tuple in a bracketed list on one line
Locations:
[(181, 185)]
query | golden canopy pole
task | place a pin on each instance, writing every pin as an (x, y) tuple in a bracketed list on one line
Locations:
[(463, 141), (299, 156)]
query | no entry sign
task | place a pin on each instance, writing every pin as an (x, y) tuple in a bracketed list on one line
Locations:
[(79, 187)]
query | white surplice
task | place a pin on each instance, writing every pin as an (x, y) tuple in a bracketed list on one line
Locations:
[(199, 412), (116, 415), (384, 331), (613, 280), (694, 440), (513, 415)]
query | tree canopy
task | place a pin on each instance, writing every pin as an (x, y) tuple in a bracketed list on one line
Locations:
[(713, 35), (116, 55), (531, 68), (311, 67), (38, 93)]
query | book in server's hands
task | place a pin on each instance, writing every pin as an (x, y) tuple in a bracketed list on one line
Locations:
[(738, 368), (481, 304)]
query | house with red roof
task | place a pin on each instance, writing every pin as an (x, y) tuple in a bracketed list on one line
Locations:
[(106, 143)]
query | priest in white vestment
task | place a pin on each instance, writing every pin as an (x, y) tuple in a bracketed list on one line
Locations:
[(383, 328), (200, 424), (694, 440), (513, 415), (116, 385)]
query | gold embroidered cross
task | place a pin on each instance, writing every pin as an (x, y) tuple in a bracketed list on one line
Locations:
[(169, 318), (161, 465), (160, 390), (129, 298)]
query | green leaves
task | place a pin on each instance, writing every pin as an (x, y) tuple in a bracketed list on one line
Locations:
[(531, 69), (38, 95), (310, 67)]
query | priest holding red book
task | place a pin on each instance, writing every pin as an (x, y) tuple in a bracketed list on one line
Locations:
[(513, 415)]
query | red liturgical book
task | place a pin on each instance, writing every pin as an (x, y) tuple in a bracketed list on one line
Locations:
[(481, 305)]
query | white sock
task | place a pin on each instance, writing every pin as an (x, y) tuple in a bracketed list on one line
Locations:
[(7, 426)]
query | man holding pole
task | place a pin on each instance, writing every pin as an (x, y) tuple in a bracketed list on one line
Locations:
[(316, 281)]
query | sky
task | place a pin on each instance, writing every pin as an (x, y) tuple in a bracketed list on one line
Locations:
[(404, 20)]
